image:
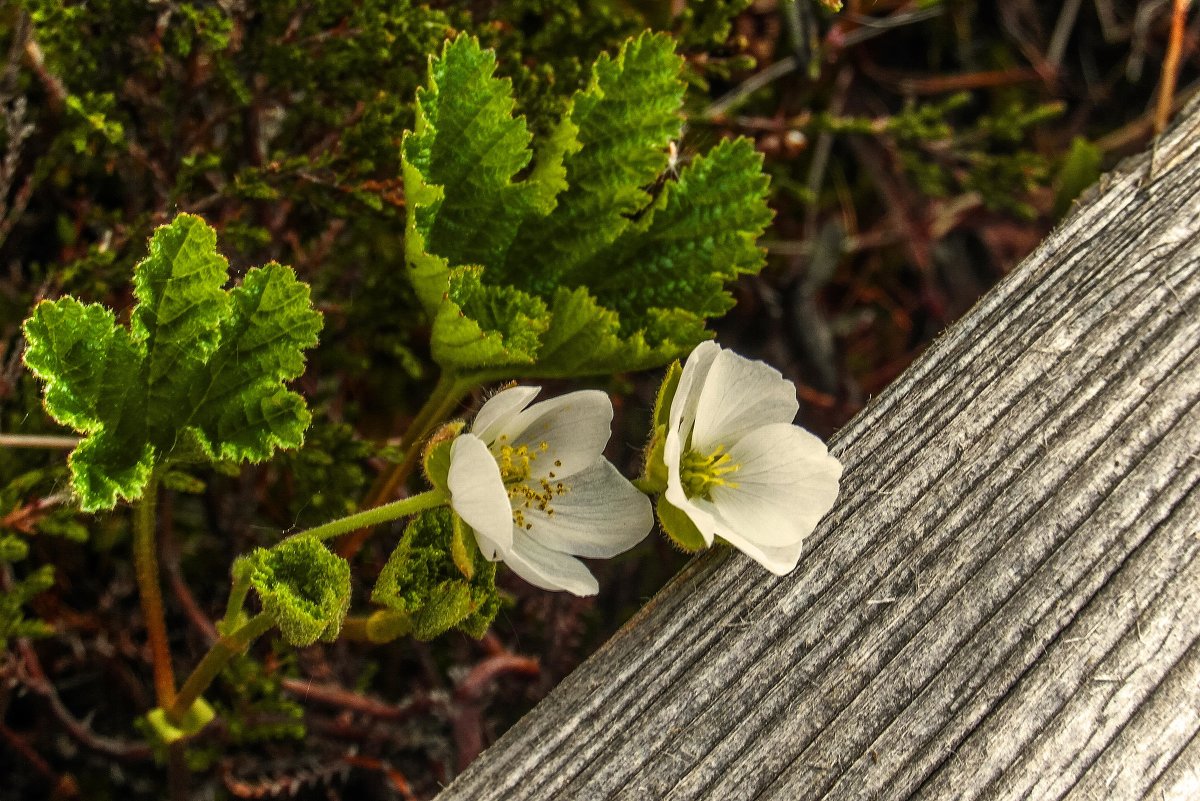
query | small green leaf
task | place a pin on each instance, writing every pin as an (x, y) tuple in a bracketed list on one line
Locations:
[(304, 587), (194, 720), (1080, 169), (13, 622), (425, 586), (200, 371)]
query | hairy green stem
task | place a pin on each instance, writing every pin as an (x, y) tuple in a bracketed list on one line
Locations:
[(237, 598), (145, 560), (446, 395), (450, 390), (356, 628), (224, 649), (380, 514)]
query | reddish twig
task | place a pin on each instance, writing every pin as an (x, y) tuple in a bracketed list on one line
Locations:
[(24, 518), (468, 722), (340, 697), (31, 675), (64, 786), (1170, 67)]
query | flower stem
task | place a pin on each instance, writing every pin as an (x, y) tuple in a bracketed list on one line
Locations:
[(237, 598), (447, 394), (145, 560), (224, 649), (380, 514), (355, 627)]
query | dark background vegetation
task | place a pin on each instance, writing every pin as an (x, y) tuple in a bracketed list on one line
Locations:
[(917, 151)]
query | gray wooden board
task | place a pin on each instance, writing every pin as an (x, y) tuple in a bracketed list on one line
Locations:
[(1003, 604)]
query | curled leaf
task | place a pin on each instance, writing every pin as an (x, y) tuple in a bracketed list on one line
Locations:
[(424, 588), (304, 587)]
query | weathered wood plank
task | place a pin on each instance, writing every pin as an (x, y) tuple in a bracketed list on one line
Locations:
[(1005, 602)]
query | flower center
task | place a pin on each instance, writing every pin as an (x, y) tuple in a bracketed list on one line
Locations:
[(524, 490), (699, 473)]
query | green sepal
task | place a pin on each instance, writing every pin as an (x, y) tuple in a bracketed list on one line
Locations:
[(12, 548), (679, 528), (164, 732), (462, 552), (435, 458), (199, 374), (653, 480), (666, 394), (304, 587), (424, 586), (654, 467)]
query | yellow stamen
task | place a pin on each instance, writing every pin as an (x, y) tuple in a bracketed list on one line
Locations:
[(700, 473), (524, 491)]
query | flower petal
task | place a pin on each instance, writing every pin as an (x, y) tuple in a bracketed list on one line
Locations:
[(785, 484), (574, 429), (691, 384), (740, 395), (708, 518), (549, 569), (478, 496), (600, 515), (500, 409), (679, 428)]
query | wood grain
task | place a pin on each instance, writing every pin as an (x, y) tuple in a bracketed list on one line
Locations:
[(1005, 601)]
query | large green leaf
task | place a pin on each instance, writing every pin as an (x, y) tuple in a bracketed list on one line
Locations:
[(625, 119), (199, 367), (567, 264)]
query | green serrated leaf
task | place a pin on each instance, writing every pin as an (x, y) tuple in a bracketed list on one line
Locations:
[(573, 269), (624, 119), (584, 338), (200, 368), (699, 234), (480, 326), (459, 163)]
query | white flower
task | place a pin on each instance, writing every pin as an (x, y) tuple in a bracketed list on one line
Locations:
[(536, 489), (737, 467)]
